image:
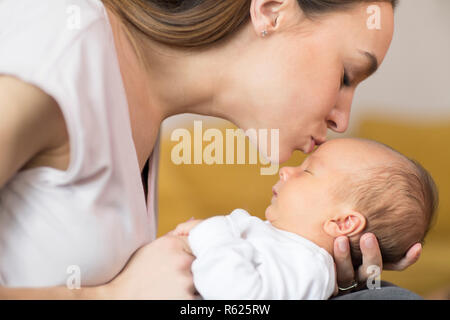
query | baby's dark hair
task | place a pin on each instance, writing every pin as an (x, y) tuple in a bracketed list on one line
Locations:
[(399, 201)]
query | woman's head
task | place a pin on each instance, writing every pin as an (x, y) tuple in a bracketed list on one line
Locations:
[(300, 77)]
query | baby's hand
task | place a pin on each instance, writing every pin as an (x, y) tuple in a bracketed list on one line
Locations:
[(184, 228)]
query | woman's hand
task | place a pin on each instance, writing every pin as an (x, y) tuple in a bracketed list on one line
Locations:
[(184, 228), (158, 270), (371, 256)]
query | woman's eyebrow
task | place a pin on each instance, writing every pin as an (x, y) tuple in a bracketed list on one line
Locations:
[(372, 66)]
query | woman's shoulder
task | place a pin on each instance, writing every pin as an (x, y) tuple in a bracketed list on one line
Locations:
[(59, 14), (45, 28), (66, 49), (41, 38)]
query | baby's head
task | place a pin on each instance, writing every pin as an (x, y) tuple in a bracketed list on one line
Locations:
[(351, 186)]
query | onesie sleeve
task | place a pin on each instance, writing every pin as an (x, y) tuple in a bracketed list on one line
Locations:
[(230, 266), (224, 259), (218, 230)]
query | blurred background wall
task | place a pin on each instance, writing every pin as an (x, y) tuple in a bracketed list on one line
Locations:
[(406, 104)]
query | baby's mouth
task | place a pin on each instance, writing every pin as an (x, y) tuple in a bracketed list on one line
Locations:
[(274, 192)]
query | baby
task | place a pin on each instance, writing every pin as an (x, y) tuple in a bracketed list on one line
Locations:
[(345, 188)]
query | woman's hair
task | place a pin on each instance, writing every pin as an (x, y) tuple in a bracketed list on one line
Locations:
[(198, 23)]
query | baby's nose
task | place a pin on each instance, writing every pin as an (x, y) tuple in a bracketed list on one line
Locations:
[(286, 172)]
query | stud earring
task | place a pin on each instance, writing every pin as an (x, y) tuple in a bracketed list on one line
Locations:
[(264, 33)]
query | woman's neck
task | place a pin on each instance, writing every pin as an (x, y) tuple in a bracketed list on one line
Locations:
[(183, 81), (145, 117), (177, 81)]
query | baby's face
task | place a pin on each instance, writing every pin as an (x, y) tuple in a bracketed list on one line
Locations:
[(303, 197)]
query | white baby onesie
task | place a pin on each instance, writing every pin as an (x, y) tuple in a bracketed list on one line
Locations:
[(239, 256)]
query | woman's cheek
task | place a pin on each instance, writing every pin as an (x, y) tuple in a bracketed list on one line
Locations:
[(323, 89)]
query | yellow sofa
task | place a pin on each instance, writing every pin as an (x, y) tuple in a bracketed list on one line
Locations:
[(202, 190)]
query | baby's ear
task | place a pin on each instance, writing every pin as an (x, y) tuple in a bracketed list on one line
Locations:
[(348, 223)]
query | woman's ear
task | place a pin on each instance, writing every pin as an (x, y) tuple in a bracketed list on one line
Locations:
[(267, 14), (347, 224)]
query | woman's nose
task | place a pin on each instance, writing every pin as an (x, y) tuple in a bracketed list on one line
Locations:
[(339, 117), (286, 173)]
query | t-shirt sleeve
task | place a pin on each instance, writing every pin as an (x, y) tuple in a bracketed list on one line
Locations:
[(65, 62)]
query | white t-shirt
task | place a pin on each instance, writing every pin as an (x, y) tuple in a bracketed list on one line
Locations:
[(239, 256), (87, 221)]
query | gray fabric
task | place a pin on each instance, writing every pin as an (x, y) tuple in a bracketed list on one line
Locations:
[(388, 291)]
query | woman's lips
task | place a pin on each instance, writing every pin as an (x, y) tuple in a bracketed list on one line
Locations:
[(311, 146)]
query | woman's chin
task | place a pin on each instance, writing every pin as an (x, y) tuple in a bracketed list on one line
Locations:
[(276, 154), (283, 156)]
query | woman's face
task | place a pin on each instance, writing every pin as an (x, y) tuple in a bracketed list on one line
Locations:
[(293, 78)]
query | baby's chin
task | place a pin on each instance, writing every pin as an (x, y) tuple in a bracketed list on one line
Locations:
[(269, 214)]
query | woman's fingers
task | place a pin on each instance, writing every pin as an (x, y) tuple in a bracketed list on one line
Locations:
[(169, 277), (411, 257), (176, 231), (344, 266), (186, 266), (184, 228), (371, 256), (371, 260), (186, 246)]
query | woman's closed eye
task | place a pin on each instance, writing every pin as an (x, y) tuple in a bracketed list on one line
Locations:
[(307, 171), (346, 80)]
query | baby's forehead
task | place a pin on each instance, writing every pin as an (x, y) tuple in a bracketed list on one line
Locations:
[(355, 152)]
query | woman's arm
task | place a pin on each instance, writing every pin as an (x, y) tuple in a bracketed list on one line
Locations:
[(30, 124), (52, 293), (159, 270)]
